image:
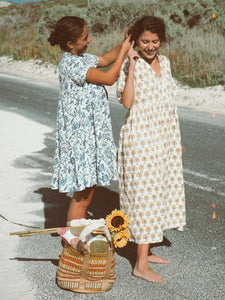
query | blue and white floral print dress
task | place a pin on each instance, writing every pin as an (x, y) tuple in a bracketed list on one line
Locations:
[(85, 151)]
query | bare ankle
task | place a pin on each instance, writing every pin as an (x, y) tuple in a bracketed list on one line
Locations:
[(157, 259)]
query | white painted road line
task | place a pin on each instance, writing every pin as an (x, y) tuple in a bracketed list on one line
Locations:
[(201, 175), (204, 188)]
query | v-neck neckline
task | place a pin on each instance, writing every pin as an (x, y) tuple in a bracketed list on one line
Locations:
[(160, 65)]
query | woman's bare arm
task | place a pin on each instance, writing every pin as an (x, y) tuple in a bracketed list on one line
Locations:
[(108, 58), (128, 93), (97, 76)]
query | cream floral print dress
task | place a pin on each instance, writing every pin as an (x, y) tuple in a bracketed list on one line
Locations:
[(150, 157)]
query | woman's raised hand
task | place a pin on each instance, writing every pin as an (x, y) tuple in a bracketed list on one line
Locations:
[(132, 55), (126, 44), (128, 32)]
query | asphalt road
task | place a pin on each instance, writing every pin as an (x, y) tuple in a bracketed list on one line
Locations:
[(197, 255)]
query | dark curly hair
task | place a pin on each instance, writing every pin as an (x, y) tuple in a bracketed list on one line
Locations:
[(67, 29), (148, 23)]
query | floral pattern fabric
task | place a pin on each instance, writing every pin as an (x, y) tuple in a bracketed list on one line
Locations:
[(85, 152), (150, 158)]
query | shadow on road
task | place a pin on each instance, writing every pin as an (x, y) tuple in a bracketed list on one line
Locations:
[(55, 262), (104, 201), (130, 251), (56, 205)]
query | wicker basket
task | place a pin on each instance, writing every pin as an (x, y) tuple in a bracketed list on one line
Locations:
[(91, 272)]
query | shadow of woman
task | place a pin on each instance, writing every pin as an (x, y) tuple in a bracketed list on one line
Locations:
[(56, 205), (103, 203), (130, 250)]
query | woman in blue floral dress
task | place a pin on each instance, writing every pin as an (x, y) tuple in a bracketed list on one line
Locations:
[(85, 151)]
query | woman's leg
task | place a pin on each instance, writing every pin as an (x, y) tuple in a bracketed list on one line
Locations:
[(152, 258), (142, 268), (79, 204), (78, 208)]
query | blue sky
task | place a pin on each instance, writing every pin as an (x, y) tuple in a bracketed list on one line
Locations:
[(22, 1)]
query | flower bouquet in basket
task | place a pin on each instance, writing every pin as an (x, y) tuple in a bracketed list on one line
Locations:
[(117, 224)]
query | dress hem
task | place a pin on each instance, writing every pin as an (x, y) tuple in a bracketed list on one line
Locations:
[(83, 188), (160, 240)]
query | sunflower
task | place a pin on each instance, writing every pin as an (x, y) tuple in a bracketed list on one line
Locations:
[(117, 220), (120, 238)]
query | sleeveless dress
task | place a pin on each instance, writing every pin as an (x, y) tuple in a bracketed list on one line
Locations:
[(85, 152), (150, 158)]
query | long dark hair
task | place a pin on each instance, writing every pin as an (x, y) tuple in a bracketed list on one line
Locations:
[(148, 23), (67, 29)]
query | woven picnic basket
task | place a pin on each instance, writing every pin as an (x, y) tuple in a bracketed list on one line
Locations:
[(90, 272)]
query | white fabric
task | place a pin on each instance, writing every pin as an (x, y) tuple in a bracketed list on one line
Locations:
[(85, 222), (68, 236), (88, 229)]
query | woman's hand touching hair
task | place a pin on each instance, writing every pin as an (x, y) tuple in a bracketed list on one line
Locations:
[(132, 54)]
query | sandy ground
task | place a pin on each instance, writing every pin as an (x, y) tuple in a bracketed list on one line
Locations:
[(14, 284), (210, 99), (4, 3)]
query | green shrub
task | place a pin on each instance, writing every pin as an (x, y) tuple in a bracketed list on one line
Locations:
[(195, 60)]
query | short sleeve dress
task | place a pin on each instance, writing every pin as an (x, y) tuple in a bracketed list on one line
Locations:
[(85, 152), (150, 158)]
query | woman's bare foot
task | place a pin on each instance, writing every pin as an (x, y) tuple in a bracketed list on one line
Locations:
[(148, 274), (157, 259)]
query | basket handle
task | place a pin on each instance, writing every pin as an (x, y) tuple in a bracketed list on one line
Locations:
[(94, 226)]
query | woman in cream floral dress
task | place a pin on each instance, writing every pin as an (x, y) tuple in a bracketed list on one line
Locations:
[(150, 152)]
